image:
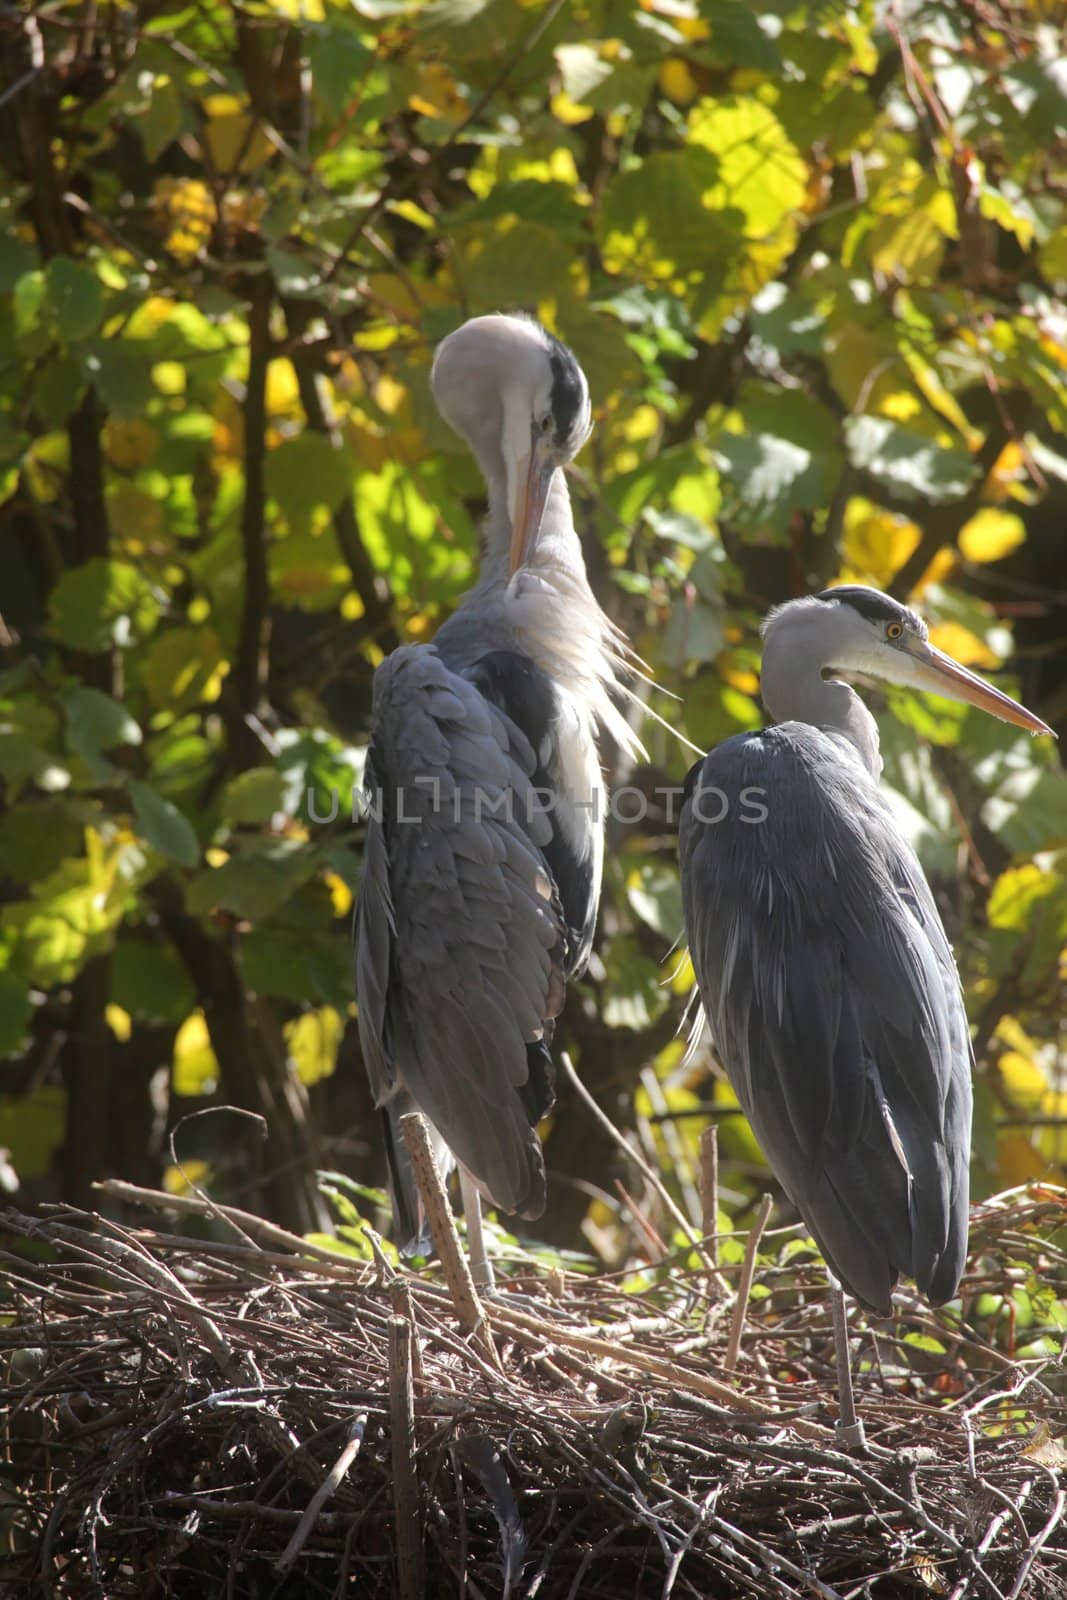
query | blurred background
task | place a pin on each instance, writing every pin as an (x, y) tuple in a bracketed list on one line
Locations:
[(811, 258)]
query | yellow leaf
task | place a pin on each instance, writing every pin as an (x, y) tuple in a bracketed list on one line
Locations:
[(194, 1070), (129, 444), (963, 645), (169, 377), (900, 405), (340, 894), (677, 81), (190, 214), (683, 978), (875, 543), (1009, 468), (390, 395), (119, 1021), (567, 111), (741, 679), (180, 1180), (937, 571), (313, 1042), (234, 139), (352, 607), (283, 390), (992, 534), (930, 386), (910, 247), (1023, 1080), (1018, 1161), (437, 94)]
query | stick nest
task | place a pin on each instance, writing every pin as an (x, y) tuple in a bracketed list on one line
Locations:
[(202, 1418)]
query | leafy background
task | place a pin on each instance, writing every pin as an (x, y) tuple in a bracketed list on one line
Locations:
[(810, 257)]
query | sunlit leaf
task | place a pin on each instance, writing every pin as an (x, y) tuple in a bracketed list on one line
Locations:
[(991, 534)]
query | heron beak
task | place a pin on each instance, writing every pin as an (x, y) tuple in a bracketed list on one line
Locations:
[(534, 479), (937, 673)]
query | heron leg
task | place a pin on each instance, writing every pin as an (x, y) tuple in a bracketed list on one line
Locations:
[(481, 1266), (849, 1427)]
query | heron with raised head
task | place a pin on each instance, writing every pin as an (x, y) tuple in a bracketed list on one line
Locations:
[(485, 842), (825, 972)]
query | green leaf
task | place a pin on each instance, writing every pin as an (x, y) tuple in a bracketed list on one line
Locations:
[(534, 262), (777, 454), (294, 964), (102, 603), (161, 121), (737, 40), (31, 327), (75, 296), (23, 760), (307, 472), (653, 220), (59, 388), (656, 897), (15, 1013), (37, 835), (149, 981), (163, 826), (254, 796), (910, 465), (16, 260), (31, 1129), (122, 374), (98, 723), (339, 59), (634, 991), (255, 883), (185, 667)]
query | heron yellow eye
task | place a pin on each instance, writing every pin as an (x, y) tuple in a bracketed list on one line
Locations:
[(546, 423), (894, 630)]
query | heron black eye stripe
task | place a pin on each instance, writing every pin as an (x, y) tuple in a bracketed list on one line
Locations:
[(568, 393)]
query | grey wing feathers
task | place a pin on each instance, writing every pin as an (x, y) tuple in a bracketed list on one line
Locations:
[(460, 934), (834, 1002)]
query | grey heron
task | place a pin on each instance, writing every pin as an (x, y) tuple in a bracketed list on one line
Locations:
[(484, 847), (822, 963)]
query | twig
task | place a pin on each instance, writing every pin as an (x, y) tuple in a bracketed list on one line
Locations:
[(324, 1492), (1038, 1543), (744, 1288), (641, 1164), (405, 1486), (709, 1190), (251, 666)]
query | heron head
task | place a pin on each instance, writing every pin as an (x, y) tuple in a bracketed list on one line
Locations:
[(519, 397), (874, 636)]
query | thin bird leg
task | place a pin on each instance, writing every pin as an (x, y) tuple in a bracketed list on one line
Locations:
[(481, 1266), (849, 1430)]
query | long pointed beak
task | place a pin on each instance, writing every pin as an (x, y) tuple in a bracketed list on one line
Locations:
[(937, 673), (534, 480)]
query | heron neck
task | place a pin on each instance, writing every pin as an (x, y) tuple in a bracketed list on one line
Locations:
[(558, 550), (794, 690), (546, 611)]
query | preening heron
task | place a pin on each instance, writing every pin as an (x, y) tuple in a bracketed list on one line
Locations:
[(484, 847), (824, 969)]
